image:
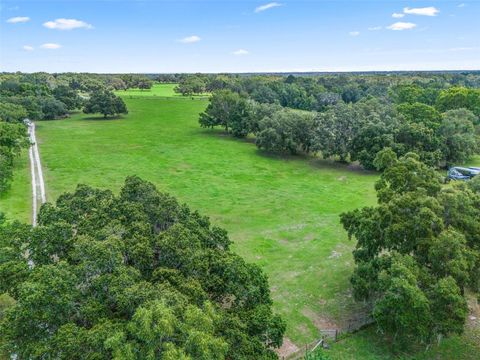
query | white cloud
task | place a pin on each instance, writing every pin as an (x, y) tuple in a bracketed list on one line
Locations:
[(27, 48), (398, 26), (425, 11), (67, 24), (461, 5), (374, 28), (50, 46), (240, 52), (190, 39), (18, 19), (398, 15), (354, 33), (267, 6)]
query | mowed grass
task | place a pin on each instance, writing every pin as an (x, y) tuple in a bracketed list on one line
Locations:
[(281, 212)]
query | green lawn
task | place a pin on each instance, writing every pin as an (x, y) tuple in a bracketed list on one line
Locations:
[(281, 212), (160, 90)]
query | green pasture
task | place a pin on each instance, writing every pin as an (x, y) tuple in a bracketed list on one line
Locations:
[(158, 90)]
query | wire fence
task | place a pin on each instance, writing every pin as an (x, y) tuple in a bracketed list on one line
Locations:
[(356, 322)]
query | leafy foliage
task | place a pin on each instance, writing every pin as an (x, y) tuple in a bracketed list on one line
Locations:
[(132, 276), (416, 252), (350, 126), (13, 138), (106, 103)]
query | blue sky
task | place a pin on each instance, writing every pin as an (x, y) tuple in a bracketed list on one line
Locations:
[(238, 36)]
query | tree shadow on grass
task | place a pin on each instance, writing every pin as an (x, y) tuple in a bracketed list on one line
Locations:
[(312, 159), (102, 118), (317, 162), (223, 135)]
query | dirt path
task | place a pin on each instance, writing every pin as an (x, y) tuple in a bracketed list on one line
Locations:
[(38, 184)]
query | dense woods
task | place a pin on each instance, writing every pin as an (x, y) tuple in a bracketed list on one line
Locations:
[(352, 118), (132, 276), (417, 252)]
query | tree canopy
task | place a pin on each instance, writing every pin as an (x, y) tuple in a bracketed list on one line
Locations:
[(106, 103), (133, 276), (417, 251), (352, 120)]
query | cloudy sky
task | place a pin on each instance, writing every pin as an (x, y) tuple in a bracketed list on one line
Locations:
[(238, 36)]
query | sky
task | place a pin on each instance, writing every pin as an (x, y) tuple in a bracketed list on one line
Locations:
[(166, 36)]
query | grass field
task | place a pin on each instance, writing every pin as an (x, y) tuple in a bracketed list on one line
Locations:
[(160, 90), (281, 212)]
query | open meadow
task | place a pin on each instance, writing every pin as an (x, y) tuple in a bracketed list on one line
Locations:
[(281, 212)]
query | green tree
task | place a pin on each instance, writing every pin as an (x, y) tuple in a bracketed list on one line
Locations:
[(334, 131), (457, 131), (133, 276), (458, 97), (229, 110), (286, 131), (52, 108), (13, 138), (105, 103), (68, 96), (420, 113), (145, 84), (191, 85), (12, 112), (402, 310), (416, 252)]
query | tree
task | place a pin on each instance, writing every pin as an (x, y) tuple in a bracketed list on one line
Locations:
[(416, 252), (384, 159), (407, 93), (191, 85), (458, 134), (325, 99), (230, 110), (12, 113), (105, 103), (133, 276), (420, 139), (145, 84), (13, 138), (68, 96), (335, 130), (286, 131), (52, 108), (420, 113), (117, 84), (377, 125), (264, 94), (403, 310), (459, 97)]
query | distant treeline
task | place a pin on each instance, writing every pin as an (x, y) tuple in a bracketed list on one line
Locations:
[(351, 118)]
